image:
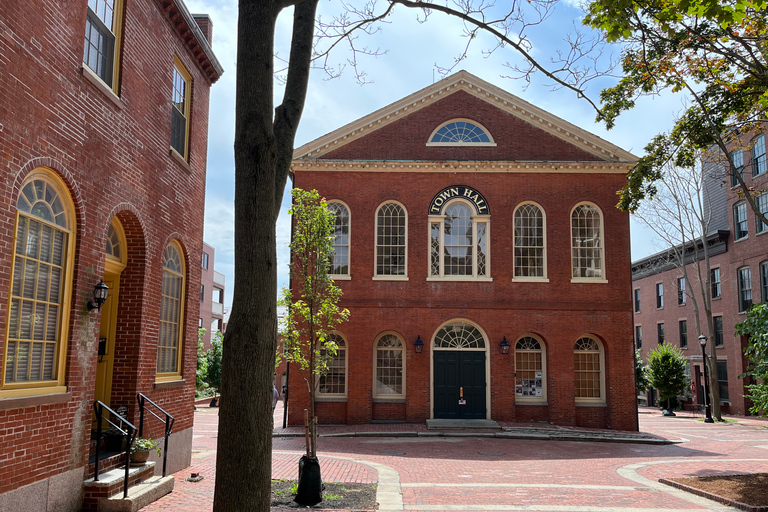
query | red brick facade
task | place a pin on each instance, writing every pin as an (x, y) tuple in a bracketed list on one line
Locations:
[(111, 154), (533, 160)]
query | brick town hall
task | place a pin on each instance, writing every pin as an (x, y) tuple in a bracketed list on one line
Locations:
[(483, 261)]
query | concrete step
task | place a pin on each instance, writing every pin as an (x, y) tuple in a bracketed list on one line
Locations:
[(139, 496), (442, 424)]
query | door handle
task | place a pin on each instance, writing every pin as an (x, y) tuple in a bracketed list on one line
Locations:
[(461, 392)]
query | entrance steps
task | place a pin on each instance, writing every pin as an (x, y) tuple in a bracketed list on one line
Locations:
[(443, 424), (144, 487)]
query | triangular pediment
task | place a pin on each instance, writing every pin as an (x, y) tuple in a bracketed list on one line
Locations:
[(538, 122)]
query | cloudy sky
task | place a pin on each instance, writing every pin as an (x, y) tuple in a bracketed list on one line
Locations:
[(412, 52)]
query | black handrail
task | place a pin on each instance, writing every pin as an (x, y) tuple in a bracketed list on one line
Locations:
[(168, 422), (130, 432)]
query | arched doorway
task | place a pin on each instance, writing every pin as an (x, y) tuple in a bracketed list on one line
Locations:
[(114, 263), (459, 372)]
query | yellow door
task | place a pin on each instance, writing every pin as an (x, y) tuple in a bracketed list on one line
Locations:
[(107, 341)]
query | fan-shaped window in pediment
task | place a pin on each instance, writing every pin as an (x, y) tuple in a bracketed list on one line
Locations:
[(461, 132)]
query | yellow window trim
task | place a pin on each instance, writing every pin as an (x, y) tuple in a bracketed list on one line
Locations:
[(177, 64), (117, 24), (167, 376), (45, 387), (116, 265)]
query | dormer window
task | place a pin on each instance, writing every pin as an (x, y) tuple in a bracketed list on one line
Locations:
[(461, 132)]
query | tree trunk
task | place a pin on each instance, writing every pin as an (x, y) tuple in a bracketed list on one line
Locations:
[(243, 462)]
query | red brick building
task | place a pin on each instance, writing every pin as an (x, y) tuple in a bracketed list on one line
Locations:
[(474, 223), (738, 247), (103, 143), (212, 286)]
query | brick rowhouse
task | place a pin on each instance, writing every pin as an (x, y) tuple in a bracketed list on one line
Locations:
[(463, 150), (93, 142)]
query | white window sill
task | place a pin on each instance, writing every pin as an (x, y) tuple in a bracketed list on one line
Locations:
[(341, 278), (530, 280), (462, 279), (588, 280), (389, 399), (338, 398), (521, 400), (584, 403), (389, 278)]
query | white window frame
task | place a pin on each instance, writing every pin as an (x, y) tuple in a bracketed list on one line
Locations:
[(659, 295), (739, 218), (348, 275), (515, 277), (602, 277), (376, 349), (681, 300), (737, 155), (761, 201), (334, 397), (744, 285), (492, 142), (758, 153), (601, 400), (531, 400), (389, 277), (712, 283), (476, 219)]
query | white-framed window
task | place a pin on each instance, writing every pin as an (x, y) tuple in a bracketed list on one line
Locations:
[(458, 243), (390, 367), (587, 258), (717, 323), (638, 337), (659, 295), (681, 291), (169, 344), (340, 264), (333, 384), (758, 155), (764, 280), (460, 335), (740, 220), (589, 378), (180, 109), (637, 300), (34, 354), (761, 201), (530, 243), (683, 330), (205, 260), (101, 50), (660, 336), (714, 279), (745, 289), (530, 370), (738, 166), (461, 132), (391, 241)]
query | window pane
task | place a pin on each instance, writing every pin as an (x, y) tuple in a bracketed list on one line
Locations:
[(457, 241), (586, 245), (168, 344), (340, 263), (390, 240), (529, 242)]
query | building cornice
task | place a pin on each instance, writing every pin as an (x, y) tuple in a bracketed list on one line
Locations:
[(464, 81), (717, 243), (471, 166)]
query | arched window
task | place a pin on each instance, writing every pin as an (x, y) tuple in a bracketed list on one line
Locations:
[(391, 240), (340, 264), (334, 383), (589, 378), (530, 237), (459, 335), (461, 132), (390, 367), (169, 344), (459, 244), (38, 309), (587, 243), (116, 245), (530, 370)]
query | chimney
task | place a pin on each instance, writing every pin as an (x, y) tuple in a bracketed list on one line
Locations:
[(206, 25)]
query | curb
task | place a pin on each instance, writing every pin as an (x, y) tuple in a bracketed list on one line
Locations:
[(714, 497)]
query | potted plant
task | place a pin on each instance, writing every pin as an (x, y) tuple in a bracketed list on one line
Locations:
[(141, 448)]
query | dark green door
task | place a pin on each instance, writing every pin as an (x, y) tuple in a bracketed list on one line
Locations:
[(459, 384)]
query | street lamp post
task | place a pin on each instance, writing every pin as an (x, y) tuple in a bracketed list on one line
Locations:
[(707, 400)]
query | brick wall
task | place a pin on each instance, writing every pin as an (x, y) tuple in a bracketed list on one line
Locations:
[(114, 158)]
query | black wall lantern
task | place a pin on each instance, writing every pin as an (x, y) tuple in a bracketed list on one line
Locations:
[(100, 293), (418, 345), (504, 345)]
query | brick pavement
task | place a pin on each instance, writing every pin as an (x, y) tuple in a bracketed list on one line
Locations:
[(482, 473)]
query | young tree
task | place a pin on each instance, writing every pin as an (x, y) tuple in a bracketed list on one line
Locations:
[(202, 362), (711, 50), (680, 215), (756, 328), (666, 373), (213, 361), (641, 373), (312, 305), (264, 140)]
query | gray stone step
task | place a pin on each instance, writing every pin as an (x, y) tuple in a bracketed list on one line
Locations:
[(139, 496)]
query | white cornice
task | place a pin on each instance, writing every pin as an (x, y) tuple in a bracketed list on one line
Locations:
[(461, 166), (464, 81)]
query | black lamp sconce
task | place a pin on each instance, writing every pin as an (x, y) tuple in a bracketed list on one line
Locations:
[(418, 345), (100, 293), (504, 346)]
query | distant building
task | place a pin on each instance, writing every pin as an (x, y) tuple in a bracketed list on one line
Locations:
[(103, 147), (212, 286), (483, 262), (738, 247)]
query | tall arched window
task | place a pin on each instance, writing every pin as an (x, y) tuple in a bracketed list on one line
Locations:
[(530, 370), (334, 383), (391, 240), (459, 243), (390, 367), (340, 263), (587, 259), (589, 378), (169, 344), (34, 355), (530, 237)]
